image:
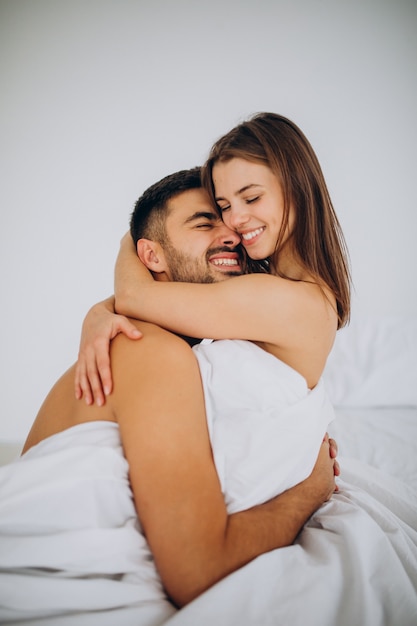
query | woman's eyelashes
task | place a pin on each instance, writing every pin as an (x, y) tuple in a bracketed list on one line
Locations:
[(226, 207)]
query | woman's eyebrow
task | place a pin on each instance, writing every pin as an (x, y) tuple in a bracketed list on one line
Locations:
[(241, 190)]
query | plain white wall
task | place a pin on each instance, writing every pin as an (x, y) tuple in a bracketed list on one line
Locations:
[(100, 98)]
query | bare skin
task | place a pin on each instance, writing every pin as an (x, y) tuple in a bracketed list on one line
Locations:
[(173, 477), (293, 318), (201, 249), (294, 321)]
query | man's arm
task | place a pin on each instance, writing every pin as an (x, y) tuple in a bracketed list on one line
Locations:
[(159, 404)]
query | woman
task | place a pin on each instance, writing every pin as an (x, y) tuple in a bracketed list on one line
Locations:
[(267, 183)]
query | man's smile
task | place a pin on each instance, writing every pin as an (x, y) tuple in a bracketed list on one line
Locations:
[(226, 260)]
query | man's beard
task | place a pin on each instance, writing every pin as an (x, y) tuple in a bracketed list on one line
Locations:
[(187, 269)]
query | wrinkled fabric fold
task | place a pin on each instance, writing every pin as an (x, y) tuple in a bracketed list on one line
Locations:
[(70, 539), (265, 425)]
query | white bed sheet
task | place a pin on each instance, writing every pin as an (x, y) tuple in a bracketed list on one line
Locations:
[(384, 437), (336, 573), (350, 565), (355, 562)]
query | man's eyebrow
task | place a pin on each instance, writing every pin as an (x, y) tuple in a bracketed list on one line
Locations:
[(241, 190), (202, 214)]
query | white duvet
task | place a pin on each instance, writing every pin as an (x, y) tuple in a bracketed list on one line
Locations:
[(72, 552), (355, 562), (71, 546), (265, 425)]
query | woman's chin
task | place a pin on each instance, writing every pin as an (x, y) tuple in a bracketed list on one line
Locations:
[(256, 255)]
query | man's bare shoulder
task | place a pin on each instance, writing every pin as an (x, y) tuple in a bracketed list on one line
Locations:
[(155, 341)]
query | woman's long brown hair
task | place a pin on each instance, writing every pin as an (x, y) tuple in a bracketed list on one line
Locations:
[(317, 237)]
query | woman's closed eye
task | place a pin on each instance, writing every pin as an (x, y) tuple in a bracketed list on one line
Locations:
[(250, 200)]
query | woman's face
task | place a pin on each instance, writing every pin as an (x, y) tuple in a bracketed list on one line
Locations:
[(251, 201)]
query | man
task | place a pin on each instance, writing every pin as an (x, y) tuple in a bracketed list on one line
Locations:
[(180, 237)]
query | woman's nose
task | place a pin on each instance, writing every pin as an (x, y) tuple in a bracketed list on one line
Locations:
[(236, 218), (229, 237)]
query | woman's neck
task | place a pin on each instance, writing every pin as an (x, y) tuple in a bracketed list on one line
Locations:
[(286, 263)]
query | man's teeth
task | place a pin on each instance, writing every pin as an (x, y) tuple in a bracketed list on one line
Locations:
[(224, 262), (252, 234)]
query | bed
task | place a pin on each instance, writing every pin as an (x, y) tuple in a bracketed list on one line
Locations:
[(371, 377), (339, 571)]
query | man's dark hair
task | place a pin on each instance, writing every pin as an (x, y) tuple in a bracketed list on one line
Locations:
[(150, 212)]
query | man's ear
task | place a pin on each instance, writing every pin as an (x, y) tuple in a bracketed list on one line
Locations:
[(152, 255)]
